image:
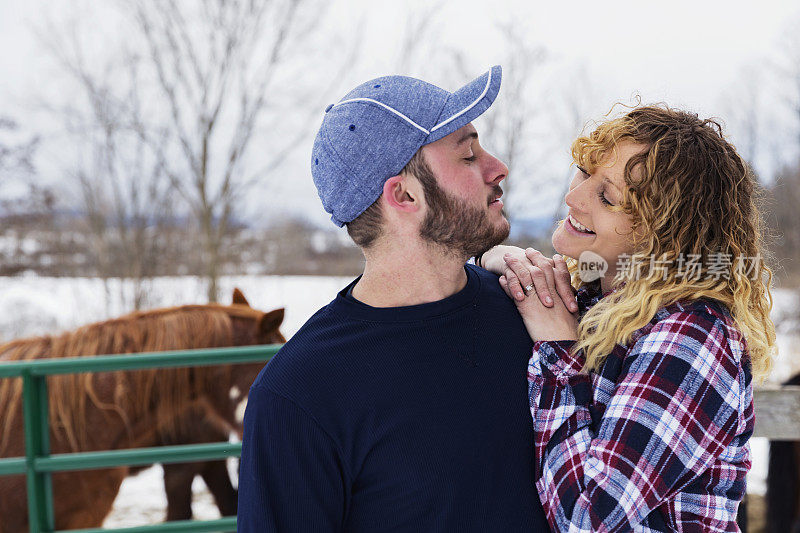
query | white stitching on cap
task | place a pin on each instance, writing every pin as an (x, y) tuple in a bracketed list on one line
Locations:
[(470, 106), (395, 111)]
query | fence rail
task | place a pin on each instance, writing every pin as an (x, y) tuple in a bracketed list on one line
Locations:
[(777, 411), (38, 465)]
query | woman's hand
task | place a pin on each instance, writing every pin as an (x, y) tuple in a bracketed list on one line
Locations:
[(517, 265), (544, 322), (492, 259), (527, 270)]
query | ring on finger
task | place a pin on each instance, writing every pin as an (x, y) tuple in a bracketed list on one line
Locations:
[(528, 288)]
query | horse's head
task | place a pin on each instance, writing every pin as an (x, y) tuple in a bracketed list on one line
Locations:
[(250, 327), (258, 327)]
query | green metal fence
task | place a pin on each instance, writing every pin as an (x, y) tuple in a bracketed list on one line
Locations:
[(38, 464)]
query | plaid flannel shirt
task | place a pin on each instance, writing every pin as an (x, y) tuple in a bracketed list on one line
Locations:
[(657, 440)]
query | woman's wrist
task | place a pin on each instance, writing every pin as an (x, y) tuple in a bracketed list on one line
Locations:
[(551, 333)]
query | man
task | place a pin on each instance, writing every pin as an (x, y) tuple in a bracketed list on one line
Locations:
[(401, 405)]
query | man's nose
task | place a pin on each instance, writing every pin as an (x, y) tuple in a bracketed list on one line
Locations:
[(495, 171)]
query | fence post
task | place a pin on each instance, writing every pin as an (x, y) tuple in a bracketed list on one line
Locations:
[(37, 444)]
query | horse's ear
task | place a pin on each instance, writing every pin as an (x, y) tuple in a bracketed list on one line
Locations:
[(238, 298), (271, 321)]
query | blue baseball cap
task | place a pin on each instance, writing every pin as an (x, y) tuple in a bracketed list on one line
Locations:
[(375, 130)]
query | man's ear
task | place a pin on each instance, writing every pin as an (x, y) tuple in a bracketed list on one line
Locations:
[(402, 193)]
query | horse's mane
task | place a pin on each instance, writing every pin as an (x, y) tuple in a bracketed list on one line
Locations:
[(135, 394)]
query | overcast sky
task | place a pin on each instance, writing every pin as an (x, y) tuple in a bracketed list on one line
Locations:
[(686, 53), (680, 50)]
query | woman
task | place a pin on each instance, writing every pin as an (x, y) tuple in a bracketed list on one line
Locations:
[(640, 388)]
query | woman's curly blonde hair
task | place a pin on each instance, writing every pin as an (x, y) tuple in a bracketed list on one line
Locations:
[(687, 192)]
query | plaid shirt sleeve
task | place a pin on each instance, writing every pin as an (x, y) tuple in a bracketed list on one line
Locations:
[(673, 412)]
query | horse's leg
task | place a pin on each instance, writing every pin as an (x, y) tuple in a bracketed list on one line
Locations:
[(215, 474), (84, 499), (207, 427), (178, 485)]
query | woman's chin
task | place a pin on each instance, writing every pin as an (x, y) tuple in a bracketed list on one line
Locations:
[(561, 243)]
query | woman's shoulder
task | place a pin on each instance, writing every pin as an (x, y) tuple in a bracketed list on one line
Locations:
[(701, 308), (701, 325), (700, 312)]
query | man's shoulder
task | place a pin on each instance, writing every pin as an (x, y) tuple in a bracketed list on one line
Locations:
[(311, 357), (491, 291)]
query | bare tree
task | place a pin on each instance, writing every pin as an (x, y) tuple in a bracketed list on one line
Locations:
[(745, 114), (185, 93), (419, 37), (122, 188), (784, 197), (220, 66), (785, 188), (16, 155), (569, 118), (23, 214), (786, 67), (511, 124)]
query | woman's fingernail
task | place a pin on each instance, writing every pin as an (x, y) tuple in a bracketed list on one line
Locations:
[(519, 296), (548, 300)]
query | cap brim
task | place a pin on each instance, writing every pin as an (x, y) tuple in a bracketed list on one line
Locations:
[(467, 104)]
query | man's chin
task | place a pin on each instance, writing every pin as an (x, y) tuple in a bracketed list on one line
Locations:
[(503, 229), (500, 234), (506, 224)]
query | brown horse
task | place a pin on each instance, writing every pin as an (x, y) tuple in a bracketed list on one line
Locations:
[(116, 410)]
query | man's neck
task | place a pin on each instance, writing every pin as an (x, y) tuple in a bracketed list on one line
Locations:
[(409, 275)]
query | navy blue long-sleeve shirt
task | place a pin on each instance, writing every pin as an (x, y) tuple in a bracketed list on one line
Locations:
[(395, 419)]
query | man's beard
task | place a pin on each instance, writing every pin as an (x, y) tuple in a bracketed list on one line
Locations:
[(456, 227)]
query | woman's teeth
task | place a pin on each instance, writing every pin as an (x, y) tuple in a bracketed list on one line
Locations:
[(580, 227)]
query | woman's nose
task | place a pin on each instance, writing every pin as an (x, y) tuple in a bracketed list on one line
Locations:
[(576, 197)]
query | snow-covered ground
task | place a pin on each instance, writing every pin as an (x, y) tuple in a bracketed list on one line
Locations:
[(36, 305)]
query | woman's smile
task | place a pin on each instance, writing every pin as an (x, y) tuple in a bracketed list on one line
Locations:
[(576, 227)]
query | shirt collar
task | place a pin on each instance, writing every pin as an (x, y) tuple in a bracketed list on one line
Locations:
[(591, 293)]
